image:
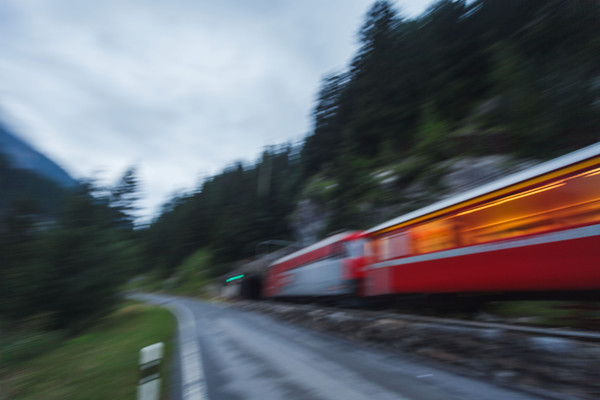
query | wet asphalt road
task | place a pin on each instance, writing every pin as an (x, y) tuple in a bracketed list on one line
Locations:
[(227, 354)]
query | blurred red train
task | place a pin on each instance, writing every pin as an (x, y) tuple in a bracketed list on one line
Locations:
[(331, 267), (534, 232)]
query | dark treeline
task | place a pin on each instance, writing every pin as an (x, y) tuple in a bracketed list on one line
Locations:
[(527, 69), (510, 76), (230, 213), (27, 190), (62, 265)]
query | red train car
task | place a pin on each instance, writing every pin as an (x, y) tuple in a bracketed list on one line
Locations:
[(535, 231), (332, 267)]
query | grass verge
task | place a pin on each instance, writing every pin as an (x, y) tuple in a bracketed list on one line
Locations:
[(102, 363)]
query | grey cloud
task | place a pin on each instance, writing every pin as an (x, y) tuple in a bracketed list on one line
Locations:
[(180, 88)]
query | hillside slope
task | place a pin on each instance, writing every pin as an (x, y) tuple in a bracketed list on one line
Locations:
[(21, 155)]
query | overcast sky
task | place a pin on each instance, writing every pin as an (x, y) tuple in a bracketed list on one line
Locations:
[(178, 88)]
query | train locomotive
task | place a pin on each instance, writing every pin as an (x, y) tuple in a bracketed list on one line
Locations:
[(333, 267), (536, 232)]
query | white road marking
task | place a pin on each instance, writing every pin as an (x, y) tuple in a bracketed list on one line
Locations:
[(424, 376), (194, 382)]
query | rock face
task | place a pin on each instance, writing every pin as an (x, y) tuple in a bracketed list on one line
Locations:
[(468, 173), (308, 221), (555, 367)]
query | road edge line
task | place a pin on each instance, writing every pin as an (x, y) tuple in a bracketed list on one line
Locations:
[(192, 372)]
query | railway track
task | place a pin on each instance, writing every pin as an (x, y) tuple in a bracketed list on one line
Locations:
[(556, 363), (555, 332), (565, 333)]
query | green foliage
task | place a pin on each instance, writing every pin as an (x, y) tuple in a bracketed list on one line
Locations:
[(195, 273), (354, 184), (547, 312), (84, 264), (189, 278), (433, 141), (100, 363), (319, 149), (412, 83), (195, 265), (229, 214), (319, 188), (124, 196), (409, 169), (27, 345), (22, 186), (70, 269)]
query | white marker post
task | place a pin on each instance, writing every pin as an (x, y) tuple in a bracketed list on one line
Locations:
[(150, 362)]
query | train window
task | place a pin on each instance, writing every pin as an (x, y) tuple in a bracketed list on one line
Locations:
[(386, 248), (434, 236), (378, 248), (559, 204), (369, 250), (355, 248), (400, 245)]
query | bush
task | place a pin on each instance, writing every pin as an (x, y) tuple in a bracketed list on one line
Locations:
[(28, 345), (71, 270), (320, 189)]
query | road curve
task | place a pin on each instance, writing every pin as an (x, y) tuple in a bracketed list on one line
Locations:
[(226, 354)]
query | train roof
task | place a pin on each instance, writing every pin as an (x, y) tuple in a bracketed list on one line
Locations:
[(325, 242), (541, 169)]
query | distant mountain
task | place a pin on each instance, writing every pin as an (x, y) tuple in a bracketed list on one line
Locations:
[(21, 155)]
